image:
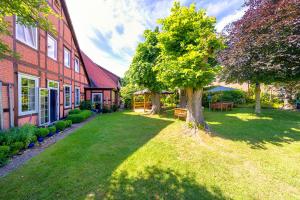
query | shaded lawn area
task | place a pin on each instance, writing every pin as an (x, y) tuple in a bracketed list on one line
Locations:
[(131, 156)]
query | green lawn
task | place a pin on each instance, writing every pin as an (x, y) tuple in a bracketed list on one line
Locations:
[(132, 156)]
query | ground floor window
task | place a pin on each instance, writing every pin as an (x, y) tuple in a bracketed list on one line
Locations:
[(44, 106), (97, 100), (77, 96), (27, 92), (67, 96)]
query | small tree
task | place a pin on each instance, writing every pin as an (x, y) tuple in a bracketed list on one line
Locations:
[(142, 68), (29, 12), (189, 44), (263, 46)]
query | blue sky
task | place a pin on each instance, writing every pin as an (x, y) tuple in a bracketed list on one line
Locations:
[(109, 30)]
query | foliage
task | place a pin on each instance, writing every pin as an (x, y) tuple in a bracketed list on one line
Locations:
[(60, 125), (4, 155), (42, 132), (16, 147), (188, 43), (75, 111), (80, 117), (141, 71), (235, 96), (69, 123), (263, 46), (29, 12), (127, 94), (114, 108), (85, 105), (52, 129), (106, 109)]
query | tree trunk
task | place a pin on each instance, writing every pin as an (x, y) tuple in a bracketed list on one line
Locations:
[(257, 98), (182, 98), (155, 100), (194, 107)]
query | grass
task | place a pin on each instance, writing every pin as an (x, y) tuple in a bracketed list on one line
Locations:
[(132, 156)]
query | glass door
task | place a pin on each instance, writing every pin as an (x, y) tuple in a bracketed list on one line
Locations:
[(44, 106), (97, 100)]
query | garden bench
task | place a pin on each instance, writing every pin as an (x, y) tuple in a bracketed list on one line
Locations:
[(180, 112), (222, 106)]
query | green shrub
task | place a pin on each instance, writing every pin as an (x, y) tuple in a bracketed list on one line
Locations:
[(114, 108), (235, 96), (4, 155), (52, 129), (77, 118), (68, 123), (42, 132), (75, 111), (106, 110), (60, 125), (16, 147), (85, 105)]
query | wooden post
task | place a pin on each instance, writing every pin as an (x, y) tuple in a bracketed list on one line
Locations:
[(11, 106), (144, 103), (133, 102), (1, 109)]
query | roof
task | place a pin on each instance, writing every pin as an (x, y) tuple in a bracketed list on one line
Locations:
[(100, 77), (221, 89), (68, 18)]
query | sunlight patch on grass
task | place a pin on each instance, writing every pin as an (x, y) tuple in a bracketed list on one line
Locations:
[(295, 129), (214, 123), (248, 116)]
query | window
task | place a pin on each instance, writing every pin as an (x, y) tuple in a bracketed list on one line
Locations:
[(76, 64), (67, 58), (27, 35), (77, 96), (52, 47), (28, 95), (67, 94), (44, 106)]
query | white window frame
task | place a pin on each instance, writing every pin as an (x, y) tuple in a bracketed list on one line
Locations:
[(69, 64), (77, 69), (40, 112), (77, 103), (36, 79), (70, 106), (23, 41), (101, 95), (55, 47)]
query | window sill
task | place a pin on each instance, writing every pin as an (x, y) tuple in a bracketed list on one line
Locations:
[(27, 45)]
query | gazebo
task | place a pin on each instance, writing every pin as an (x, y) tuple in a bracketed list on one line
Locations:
[(142, 99)]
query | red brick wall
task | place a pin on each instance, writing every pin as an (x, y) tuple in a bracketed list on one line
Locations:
[(37, 63)]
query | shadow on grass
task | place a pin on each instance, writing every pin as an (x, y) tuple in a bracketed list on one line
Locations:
[(155, 183), (272, 126)]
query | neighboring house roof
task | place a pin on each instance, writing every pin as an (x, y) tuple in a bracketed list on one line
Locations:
[(68, 18), (100, 77), (221, 89)]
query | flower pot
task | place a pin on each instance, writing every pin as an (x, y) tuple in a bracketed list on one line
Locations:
[(50, 135), (31, 145), (40, 139), (57, 131)]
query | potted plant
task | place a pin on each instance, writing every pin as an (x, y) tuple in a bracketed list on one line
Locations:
[(60, 125), (41, 133)]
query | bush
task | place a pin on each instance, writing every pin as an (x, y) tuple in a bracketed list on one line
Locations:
[(235, 96), (16, 147), (42, 132), (4, 154), (114, 108), (68, 123), (60, 125), (52, 129), (85, 105), (77, 118), (106, 110), (75, 111)]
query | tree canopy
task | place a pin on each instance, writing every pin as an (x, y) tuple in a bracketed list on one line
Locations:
[(29, 12), (263, 46), (188, 43)]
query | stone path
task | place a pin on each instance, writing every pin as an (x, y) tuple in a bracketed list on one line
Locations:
[(18, 160)]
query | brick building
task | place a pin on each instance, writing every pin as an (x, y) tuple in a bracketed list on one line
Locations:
[(48, 80), (104, 86)]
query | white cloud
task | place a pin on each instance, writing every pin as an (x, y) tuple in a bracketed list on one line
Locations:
[(230, 18)]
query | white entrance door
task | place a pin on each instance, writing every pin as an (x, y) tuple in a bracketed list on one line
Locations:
[(44, 114), (97, 98)]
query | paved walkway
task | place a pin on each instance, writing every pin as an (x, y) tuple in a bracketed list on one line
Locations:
[(19, 160)]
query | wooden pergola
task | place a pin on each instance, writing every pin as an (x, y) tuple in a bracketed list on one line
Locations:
[(142, 99)]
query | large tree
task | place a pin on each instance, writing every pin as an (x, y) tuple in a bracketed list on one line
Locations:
[(142, 68), (189, 44), (29, 12), (263, 46)]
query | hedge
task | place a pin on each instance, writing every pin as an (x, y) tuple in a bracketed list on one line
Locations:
[(60, 125), (80, 117)]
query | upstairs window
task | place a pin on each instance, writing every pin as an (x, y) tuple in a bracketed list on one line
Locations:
[(76, 64), (27, 35), (52, 47), (67, 58)]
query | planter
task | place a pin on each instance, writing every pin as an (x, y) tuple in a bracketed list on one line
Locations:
[(50, 135), (40, 139), (31, 145), (57, 132)]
